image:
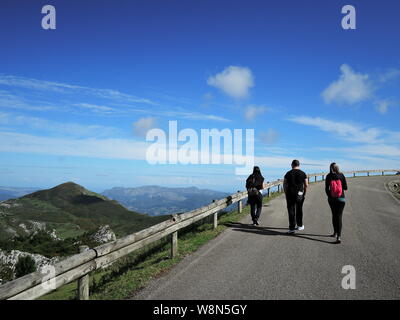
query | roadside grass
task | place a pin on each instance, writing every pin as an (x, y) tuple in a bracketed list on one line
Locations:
[(133, 272)]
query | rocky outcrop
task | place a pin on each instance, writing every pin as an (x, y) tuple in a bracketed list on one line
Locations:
[(104, 234), (10, 259)]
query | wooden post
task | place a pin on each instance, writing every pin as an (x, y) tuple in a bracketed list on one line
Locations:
[(354, 174), (215, 220), (268, 192), (279, 188), (240, 205), (383, 173), (174, 244), (323, 177), (174, 239), (315, 180), (368, 173), (83, 282)]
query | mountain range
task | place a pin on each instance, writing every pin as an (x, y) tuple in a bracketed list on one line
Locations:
[(156, 200), (10, 192), (68, 210)]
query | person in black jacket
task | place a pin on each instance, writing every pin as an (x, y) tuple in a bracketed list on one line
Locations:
[(255, 183), (295, 185), (336, 202)]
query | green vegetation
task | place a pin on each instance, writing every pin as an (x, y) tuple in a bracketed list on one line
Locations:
[(24, 266), (42, 243), (134, 271), (71, 210)]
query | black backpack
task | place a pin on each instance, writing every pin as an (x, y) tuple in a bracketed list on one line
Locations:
[(252, 190)]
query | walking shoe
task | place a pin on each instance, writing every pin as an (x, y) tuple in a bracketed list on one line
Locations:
[(291, 232), (338, 240), (300, 228), (256, 222), (333, 235)]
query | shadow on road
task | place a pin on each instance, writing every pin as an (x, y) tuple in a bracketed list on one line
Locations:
[(271, 231)]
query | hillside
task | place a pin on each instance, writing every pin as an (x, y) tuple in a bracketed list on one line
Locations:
[(156, 200), (70, 210)]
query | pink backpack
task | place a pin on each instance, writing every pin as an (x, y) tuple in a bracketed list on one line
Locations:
[(336, 188)]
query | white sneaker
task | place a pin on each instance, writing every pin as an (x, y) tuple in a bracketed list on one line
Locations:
[(300, 228)]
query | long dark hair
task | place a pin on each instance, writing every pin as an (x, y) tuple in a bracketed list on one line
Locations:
[(334, 168), (257, 174)]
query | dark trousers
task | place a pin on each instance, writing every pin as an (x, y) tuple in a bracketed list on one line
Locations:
[(337, 213), (295, 211), (255, 203)]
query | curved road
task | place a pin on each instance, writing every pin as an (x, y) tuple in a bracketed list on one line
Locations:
[(263, 262)]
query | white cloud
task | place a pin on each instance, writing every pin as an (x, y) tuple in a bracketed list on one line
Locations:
[(95, 108), (63, 128), (141, 126), (43, 85), (389, 75), (234, 81), (251, 112), (269, 137), (382, 106), (88, 147), (346, 131), (350, 88), (10, 101)]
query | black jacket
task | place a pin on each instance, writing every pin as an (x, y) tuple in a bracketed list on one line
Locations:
[(259, 180), (335, 176)]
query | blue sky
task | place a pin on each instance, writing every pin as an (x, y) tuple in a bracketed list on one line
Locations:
[(76, 102)]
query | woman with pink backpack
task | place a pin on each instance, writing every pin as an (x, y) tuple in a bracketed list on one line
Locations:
[(335, 184)]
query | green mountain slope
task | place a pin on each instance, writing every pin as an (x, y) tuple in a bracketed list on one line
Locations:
[(70, 210)]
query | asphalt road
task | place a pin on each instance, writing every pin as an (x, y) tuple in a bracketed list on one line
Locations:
[(263, 262)]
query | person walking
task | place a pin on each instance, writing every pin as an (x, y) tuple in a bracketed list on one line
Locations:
[(254, 184), (335, 184), (295, 185)]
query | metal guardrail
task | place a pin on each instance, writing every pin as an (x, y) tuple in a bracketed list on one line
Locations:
[(78, 267)]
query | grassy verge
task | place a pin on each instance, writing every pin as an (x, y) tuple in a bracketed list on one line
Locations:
[(133, 272)]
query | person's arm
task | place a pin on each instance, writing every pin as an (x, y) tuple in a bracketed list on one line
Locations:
[(261, 186), (327, 186), (305, 186), (285, 185), (344, 182)]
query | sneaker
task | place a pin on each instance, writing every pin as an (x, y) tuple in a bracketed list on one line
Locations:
[(300, 228), (256, 222), (338, 240), (290, 231), (333, 235)]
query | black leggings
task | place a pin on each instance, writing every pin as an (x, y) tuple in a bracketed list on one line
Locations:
[(255, 202), (337, 213)]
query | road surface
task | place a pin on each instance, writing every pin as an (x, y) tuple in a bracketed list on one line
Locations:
[(263, 262)]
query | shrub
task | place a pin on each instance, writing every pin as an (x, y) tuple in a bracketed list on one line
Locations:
[(24, 266)]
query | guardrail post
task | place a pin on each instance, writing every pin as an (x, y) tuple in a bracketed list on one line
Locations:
[(174, 244), (83, 282), (354, 174), (383, 173), (368, 173), (323, 177), (240, 205), (315, 180), (268, 192), (174, 240), (279, 188), (308, 179)]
